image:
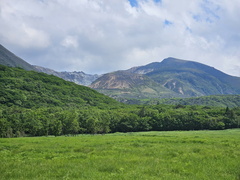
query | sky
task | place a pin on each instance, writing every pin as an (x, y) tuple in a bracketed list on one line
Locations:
[(100, 36)]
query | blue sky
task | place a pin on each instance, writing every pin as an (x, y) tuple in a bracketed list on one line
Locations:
[(102, 36), (134, 3)]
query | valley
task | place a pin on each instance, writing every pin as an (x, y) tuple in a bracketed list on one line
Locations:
[(119, 90), (51, 128), (36, 104)]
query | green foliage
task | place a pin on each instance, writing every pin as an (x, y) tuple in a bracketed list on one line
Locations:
[(30, 89), (57, 121), (230, 101)]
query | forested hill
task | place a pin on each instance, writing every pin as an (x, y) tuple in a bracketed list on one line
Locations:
[(30, 89), (230, 101)]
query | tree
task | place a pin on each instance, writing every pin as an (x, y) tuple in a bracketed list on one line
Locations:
[(128, 123), (4, 127), (143, 124), (91, 125), (103, 122), (74, 127), (56, 127)]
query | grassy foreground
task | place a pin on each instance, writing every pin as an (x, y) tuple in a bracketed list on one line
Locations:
[(144, 155)]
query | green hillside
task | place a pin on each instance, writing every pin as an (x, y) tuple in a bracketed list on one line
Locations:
[(30, 89), (230, 101)]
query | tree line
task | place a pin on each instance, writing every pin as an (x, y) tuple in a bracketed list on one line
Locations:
[(17, 122)]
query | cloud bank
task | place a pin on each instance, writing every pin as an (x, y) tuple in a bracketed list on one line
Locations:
[(99, 36)]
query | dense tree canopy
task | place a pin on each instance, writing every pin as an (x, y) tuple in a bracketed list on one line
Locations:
[(16, 121), (30, 89)]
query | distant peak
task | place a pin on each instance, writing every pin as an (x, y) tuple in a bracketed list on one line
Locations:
[(171, 59)]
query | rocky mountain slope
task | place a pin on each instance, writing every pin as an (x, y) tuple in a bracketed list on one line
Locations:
[(174, 77), (80, 77), (123, 84)]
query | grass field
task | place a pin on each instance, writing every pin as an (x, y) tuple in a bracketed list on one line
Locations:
[(144, 155)]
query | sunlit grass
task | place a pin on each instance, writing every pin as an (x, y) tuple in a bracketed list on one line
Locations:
[(143, 155)]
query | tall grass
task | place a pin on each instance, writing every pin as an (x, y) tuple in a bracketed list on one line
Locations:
[(144, 155)]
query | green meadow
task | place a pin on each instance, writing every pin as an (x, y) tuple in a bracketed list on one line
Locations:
[(141, 155)]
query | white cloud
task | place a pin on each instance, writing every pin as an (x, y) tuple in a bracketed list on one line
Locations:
[(101, 36), (70, 42)]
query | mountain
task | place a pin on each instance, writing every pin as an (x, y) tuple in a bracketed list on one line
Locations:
[(30, 89), (123, 84), (193, 79), (174, 77), (7, 58), (80, 78)]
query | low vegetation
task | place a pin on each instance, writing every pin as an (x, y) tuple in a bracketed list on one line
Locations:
[(230, 101), (143, 155)]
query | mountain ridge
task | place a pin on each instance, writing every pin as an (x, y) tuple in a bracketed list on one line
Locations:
[(183, 78), (8, 58), (78, 77)]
